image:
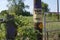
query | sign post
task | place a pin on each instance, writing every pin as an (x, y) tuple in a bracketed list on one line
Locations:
[(38, 21), (11, 28)]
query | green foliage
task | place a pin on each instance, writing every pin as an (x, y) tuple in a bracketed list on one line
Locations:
[(24, 32), (45, 7), (25, 28), (4, 12), (22, 19), (2, 31)]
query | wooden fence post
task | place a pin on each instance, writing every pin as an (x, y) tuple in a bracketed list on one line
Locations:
[(38, 20)]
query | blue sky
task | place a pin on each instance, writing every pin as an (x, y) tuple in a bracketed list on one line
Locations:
[(52, 5), (3, 5)]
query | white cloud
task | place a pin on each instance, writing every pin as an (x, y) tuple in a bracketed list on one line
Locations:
[(3, 5)]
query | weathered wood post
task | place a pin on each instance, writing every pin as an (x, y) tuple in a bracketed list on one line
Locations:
[(38, 18), (47, 36)]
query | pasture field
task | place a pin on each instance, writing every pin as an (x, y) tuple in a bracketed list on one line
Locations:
[(52, 27)]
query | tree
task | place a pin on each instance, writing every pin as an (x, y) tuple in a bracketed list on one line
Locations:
[(4, 12), (45, 7), (17, 7)]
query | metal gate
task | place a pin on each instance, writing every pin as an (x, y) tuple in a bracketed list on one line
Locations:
[(51, 26)]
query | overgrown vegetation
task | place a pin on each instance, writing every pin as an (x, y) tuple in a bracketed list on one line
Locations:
[(22, 19)]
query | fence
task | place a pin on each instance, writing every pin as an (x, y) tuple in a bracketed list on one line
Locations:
[(51, 26)]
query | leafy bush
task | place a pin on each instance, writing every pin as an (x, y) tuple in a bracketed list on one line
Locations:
[(26, 32), (25, 28)]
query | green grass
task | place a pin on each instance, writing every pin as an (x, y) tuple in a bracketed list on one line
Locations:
[(52, 26)]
